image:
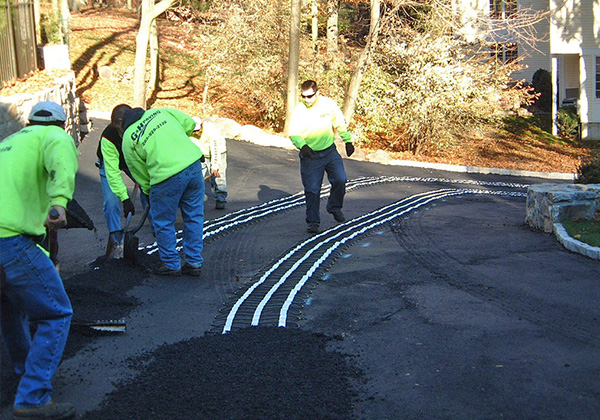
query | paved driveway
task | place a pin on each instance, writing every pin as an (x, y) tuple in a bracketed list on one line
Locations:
[(433, 301)]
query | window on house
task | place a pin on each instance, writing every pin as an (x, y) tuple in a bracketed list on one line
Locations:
[(503, 9), (505, 52), (597, 77)]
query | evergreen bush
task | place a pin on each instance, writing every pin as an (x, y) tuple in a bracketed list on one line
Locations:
[(568, 123), (589, 172), (542, 83)]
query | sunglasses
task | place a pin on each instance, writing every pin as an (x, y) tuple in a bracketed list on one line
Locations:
[(308, 96)]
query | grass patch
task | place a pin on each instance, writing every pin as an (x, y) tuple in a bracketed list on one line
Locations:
[(587, 231), (538, 126)]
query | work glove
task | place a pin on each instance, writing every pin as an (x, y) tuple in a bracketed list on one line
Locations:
[(349, 149), (307, 151), (128, 207)]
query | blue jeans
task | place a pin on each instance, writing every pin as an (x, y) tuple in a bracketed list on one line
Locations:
[(218, 186), (32, 291), (312, 171), (111, 205), (184, 190)]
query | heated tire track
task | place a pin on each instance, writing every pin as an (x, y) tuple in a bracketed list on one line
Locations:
[(279, 291), (433, 256), (234, 220)]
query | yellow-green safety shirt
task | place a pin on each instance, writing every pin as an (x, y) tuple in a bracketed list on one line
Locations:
[(37, 171)]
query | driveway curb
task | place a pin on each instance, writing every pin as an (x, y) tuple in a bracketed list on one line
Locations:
[(484, 170), (574, 245)]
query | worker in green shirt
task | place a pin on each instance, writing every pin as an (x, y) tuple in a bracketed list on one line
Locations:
[(37, 168), (312, 126), (168, 166), (111, 164)]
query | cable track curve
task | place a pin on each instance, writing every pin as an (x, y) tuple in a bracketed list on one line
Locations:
[(216, 227), (278, 292)]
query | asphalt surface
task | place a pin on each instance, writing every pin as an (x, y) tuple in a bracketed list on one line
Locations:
[(433, 301)]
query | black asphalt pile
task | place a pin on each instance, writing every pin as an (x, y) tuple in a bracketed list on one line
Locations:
[(253, 373), (100, 294)]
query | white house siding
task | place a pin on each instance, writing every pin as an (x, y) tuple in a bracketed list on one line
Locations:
[(539, 57), (565, 29), (571, 36), (575, 39), (590, 16), (589, 105)]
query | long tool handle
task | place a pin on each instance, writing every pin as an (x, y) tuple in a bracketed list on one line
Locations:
[(53, 238), (143, 219), (109, 325)]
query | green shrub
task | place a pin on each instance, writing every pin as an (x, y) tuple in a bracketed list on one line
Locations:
[(50, 29), (542, 83), (568, 123), (543, 122), (588, 172)]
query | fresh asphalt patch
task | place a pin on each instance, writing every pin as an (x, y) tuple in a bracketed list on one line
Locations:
[(254, 374)]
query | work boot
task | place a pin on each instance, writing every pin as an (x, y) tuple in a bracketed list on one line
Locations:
[(313, 228), (190, 270), (220, 205), (338, 216), (50, 411), (163, 270)]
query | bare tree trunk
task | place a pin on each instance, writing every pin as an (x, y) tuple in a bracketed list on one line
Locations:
[(206, 86), (37, 17), (315, 22), (65, 21), (154, 56), (56, 18), (149, 13), (361, 65), (139, 78), (294, 60), (333, 7)]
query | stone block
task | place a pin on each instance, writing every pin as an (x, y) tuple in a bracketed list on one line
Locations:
[(56, 57)]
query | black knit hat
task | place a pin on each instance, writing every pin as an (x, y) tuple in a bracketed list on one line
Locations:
[(131, 116)]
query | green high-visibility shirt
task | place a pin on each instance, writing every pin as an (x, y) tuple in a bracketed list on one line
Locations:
[(158, 146), (37, 170), (314, 125), (110, 156)]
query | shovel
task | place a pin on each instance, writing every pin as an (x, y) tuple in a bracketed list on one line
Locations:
[(130, 241), (115, 247)]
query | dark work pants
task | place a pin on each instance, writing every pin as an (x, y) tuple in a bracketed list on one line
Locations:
[(312, 171)]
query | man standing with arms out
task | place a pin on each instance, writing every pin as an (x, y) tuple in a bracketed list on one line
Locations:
[(37, 168), (168, 167), (312, 127)]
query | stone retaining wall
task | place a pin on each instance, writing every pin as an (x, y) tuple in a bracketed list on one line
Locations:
[(548, 204), (15, 109)]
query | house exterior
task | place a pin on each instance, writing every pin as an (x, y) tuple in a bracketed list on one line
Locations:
[(568, 46)]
